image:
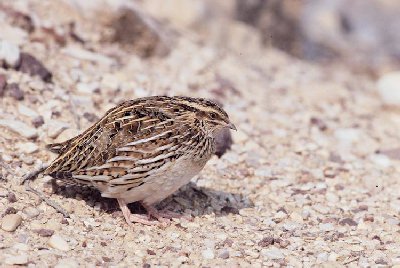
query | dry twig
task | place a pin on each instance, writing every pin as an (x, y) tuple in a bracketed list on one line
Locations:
[(43, 197), (33, 174)]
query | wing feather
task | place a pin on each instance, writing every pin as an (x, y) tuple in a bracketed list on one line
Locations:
[(118, 150)]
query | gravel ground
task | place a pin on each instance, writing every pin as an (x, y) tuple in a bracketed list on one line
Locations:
[(311, 179)]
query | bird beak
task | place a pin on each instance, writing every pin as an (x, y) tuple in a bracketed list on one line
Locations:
[(231, 126)]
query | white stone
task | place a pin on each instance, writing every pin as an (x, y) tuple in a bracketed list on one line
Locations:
[(59, 243), (326, 227), (11, 222), (9, 53), (6, 158), (21, 246), (87, 88), (224, 254), (67, 134), (27, 147), (14, 35), (356, 248), (17, 260), (347, 136), (26, 111), (291, 226), (296, 217), (273, 253), (263, 172), (381, 160), (322, 257), (54, 128), (208, 254), (79, 53), (389, 88), (19, 127), (31, 212), (67, 263), (330, 197), (110, 81), (333, 256)]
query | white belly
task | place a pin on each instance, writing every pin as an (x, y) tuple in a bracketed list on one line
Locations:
[(165, 183)]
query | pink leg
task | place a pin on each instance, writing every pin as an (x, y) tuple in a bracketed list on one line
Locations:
[(161, 216), (129, 217)]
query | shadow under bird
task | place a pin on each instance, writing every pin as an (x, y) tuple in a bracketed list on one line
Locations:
[(142, 150)]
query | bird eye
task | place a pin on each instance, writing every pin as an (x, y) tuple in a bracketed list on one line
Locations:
[(213, 115)]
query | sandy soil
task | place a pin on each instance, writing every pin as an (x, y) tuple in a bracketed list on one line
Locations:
[(311, 179)]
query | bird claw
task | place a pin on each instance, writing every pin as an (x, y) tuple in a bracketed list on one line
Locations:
[(163, 217)]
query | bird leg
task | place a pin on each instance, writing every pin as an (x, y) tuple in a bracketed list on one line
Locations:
[(130, 218), (162, 216)]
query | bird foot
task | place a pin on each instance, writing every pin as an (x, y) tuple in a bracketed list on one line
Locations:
[(163, 217)]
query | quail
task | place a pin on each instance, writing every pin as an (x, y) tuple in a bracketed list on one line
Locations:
[(142, 150)]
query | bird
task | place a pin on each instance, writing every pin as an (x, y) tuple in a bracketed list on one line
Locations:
[(142, 150)]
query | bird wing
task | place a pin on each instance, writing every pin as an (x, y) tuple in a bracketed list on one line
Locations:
[(122, 149)]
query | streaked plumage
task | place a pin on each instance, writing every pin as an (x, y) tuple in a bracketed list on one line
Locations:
[(143, 149)]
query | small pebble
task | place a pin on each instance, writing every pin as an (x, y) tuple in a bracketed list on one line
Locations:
[(326, 227), (67, 263), (266, 241), (59, 243), (31, 212), (38, 121), (19, 127), (11, 198), (17, 260), (15, 91), (3, 84), (388, 88), (32, 66), (44, 232), (348, 221), (224, 254), (11, 222), (26, 111), (9, 53), (273, 253), (291, 226), (28, 147), (208, 254)]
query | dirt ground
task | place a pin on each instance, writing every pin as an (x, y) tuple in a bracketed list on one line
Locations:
[(311, 179)]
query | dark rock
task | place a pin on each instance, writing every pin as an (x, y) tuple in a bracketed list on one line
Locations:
[(10, 210), (91, 117), (3, 84), (266, 241), (228, 242), (223, 142), (106, 259), (11, 198), (30, 65), (138, 31), (381, 261), (15, 91), (391, 153), (318, 123), (151, 252), (23, 21), (229, 210), (348, 221), (44, 232), (38, 121)]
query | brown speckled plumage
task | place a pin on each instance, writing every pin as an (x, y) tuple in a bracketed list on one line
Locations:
[(143, 149)]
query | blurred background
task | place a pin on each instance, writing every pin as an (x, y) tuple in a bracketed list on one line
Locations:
[(313, 87)]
